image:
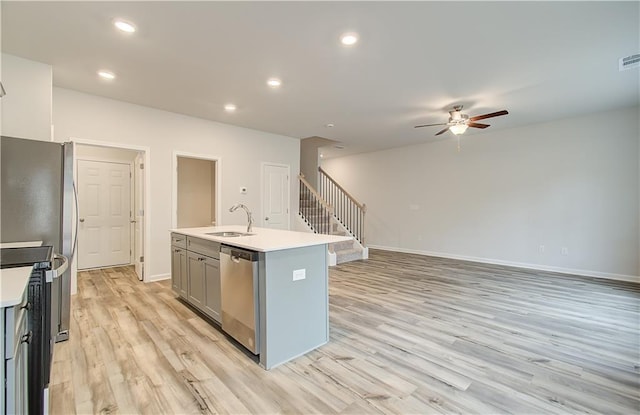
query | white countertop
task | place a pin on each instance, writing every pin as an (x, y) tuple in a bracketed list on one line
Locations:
[(27, 244), (262, 239), (13, 282)]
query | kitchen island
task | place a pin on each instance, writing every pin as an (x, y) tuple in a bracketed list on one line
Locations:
[(290, 295)]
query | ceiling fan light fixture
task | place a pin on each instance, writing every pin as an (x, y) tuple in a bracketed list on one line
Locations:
[(458, 129)]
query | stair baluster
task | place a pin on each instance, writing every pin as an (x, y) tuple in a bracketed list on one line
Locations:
[(347, 209)]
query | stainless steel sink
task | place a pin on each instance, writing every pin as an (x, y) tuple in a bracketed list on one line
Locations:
[(229, 234)]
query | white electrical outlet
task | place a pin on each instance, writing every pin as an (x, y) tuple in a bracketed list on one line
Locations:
[(299, 274), (564, 250), (541, 249)]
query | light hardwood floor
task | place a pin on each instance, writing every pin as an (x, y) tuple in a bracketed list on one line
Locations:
[(409, 334)]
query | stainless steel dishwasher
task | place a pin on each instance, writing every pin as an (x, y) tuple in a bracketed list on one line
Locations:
[(239, 296)]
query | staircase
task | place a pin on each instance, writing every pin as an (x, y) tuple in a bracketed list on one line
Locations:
[(320, 217)]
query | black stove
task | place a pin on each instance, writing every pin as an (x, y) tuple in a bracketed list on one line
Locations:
[(38, 256), (40, 348)]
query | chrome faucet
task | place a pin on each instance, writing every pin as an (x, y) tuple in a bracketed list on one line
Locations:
[(246, 209)]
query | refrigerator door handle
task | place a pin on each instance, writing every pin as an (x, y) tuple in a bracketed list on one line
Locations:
[(55, 273), (75, 237)]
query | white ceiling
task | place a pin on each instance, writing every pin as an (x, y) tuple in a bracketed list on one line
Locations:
[(415, 60)]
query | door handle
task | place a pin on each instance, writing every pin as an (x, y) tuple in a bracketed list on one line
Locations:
[(81, 220), (133, 221), (267, 218)]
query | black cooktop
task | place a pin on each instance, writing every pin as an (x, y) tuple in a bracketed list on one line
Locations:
[(40, 256)]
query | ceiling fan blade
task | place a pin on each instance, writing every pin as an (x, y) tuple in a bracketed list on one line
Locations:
[(493, 114), (429, 125), (443, 131), (477, 125)]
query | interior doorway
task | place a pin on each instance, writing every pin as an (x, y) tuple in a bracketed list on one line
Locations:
[(196, 190), (111, 206)]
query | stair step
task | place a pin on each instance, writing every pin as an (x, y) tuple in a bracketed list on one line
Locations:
[(348, 255), (342, 246)]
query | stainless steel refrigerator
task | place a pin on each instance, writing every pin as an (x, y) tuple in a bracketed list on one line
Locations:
[(37, 202)]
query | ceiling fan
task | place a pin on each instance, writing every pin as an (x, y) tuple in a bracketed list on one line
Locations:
[(459, 122)]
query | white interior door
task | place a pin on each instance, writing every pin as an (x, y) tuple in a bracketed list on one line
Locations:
[(275, 196), (104, 198), (138, 213)]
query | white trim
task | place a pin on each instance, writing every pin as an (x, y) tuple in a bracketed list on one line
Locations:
[(262, 214), (157, 277), (174, 184), (147, 199), (539, 267)]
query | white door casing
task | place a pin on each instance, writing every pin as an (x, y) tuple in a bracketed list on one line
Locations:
[(275, 196), (138, 214), (104, 196)]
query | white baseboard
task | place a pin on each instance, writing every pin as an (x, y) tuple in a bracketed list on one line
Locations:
[(539, 267), (157, 277)]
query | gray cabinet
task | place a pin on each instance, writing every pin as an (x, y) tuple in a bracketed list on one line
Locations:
[(195, 273), (196, 269), (179, 281), (179, 277), (212, 288), (15, 328)]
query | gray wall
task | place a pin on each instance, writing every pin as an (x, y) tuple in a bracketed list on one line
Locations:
[(310, 157)]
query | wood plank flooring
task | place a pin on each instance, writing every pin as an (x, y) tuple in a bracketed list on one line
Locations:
[(409, 334)]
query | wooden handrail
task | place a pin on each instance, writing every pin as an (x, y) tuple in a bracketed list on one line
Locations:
[(362, 206), (316, 194)]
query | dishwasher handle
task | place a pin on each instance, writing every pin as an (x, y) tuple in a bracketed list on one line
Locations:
[(237, 254)]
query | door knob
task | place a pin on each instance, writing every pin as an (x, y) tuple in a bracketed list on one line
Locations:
[(267, 218), (81, 219), (133, 221)]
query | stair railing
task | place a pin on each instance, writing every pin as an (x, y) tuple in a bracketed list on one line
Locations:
[(313, 209), (347, 209)]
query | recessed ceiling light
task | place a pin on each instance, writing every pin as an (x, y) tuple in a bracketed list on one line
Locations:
[(107, 75), (230, 107), (321, 155), (124, 26), (274, 82), (349, 39), (330, 125)]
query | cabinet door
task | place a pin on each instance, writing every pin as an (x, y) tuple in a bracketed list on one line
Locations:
[(196, 279), (212, 288), (184, 275), (17, 397), (179, 271), (175, 269)]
